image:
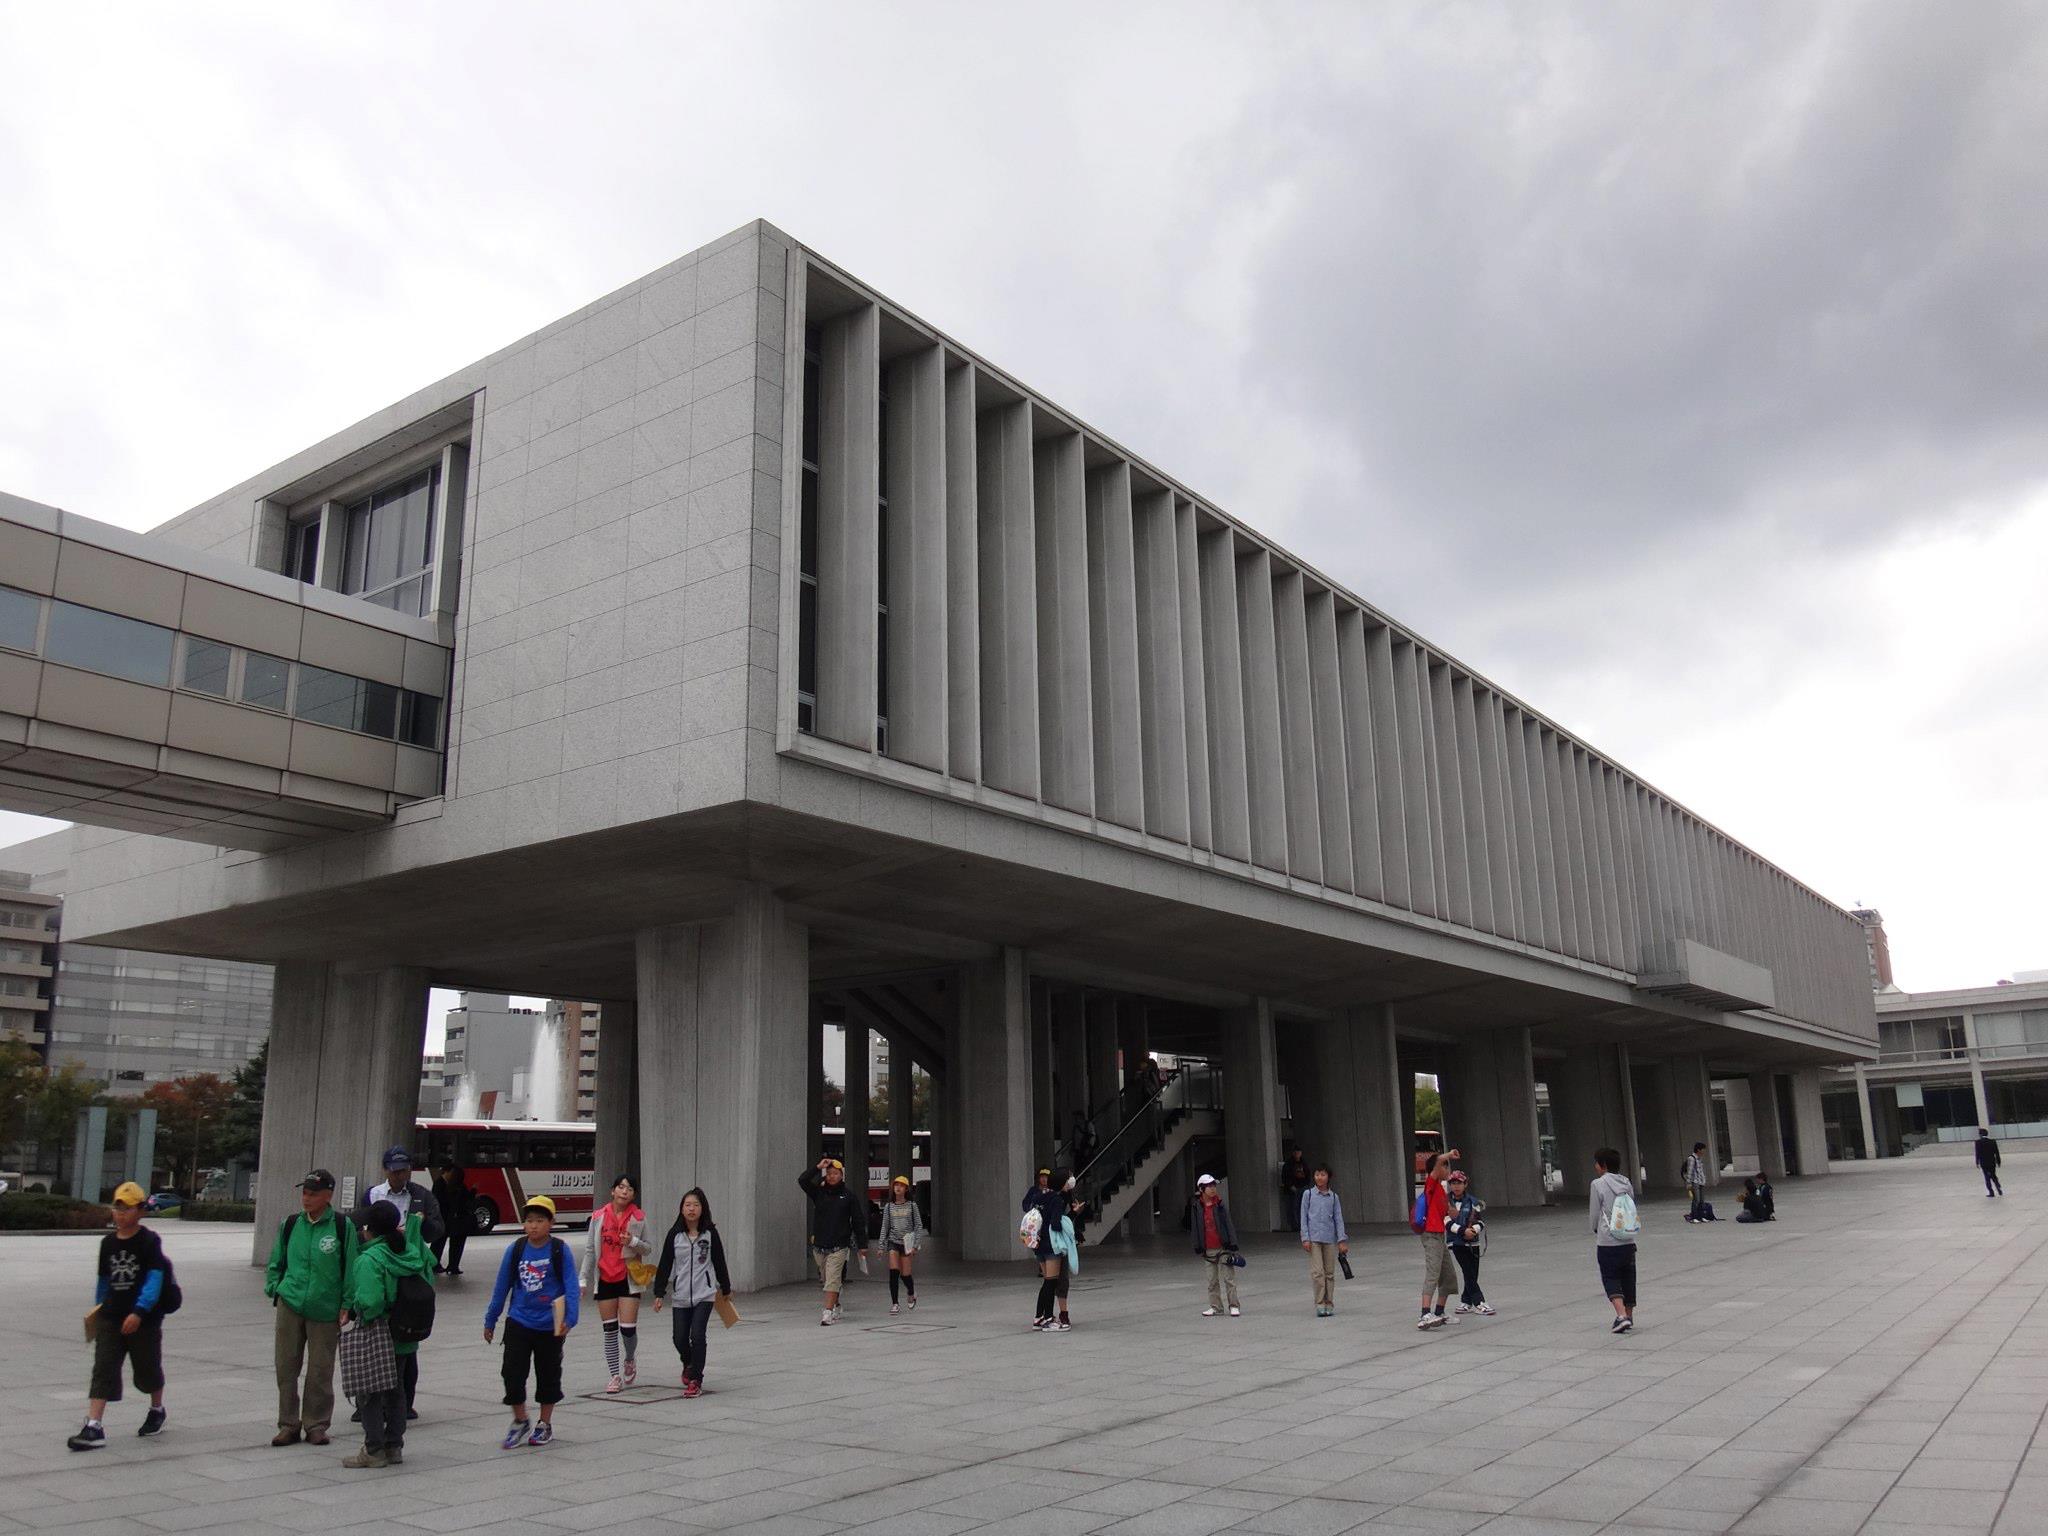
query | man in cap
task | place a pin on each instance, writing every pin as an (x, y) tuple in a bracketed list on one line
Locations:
[(412, 1198), (307, 1281), (836, 1218)]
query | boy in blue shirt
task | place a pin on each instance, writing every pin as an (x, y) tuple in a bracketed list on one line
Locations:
[(539, 1277)]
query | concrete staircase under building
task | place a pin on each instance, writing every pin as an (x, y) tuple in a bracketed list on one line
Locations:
[(1120, 1195)]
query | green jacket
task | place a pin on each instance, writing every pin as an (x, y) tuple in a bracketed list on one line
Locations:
[(313, 1277), (374, 1282)]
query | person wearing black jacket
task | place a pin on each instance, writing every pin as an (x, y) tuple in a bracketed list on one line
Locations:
[(1051, 1205), (1988, 1159), (837, 1223), (451, 1194), (692, 1273)]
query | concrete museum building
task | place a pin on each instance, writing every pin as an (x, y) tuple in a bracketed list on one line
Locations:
[(740, 652)]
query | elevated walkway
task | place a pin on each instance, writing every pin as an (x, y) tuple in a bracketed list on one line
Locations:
[(153, 689)]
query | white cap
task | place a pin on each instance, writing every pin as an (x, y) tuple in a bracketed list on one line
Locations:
[(1205, 1179)]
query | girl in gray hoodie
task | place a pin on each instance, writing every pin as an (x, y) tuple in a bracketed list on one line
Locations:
[(1612, 1206)]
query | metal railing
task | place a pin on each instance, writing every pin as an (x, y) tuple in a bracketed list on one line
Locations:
[(1140, 1117)]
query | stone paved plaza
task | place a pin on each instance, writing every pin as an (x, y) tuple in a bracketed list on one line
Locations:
[(1873, 1363)]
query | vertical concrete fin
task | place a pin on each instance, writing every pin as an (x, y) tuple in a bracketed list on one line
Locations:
[(1332, 742), (1258, 660), (1223, 685), (1296, 697), (1194, 674), (916, 568), (1009, 600), (1066, 731), (963, 580), (1162, 685), (1121, 739), (849, 485)]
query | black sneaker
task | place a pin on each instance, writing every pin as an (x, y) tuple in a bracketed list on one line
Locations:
[(89, 1438), (1628, 1325), (153, 1422), (1615, 1326)]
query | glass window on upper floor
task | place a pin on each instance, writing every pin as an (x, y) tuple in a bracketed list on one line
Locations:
[(302, 551), (20, 613), (389, 550), (349, 703), (206, 666), (265, 680), (108, 643)]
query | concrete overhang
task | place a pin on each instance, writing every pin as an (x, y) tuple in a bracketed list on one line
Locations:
[(1711, 979)]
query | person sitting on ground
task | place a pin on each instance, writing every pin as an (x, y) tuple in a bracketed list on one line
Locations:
[(1756, 1206)]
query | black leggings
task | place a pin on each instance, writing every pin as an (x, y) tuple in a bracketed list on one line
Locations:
[(692, 1321)]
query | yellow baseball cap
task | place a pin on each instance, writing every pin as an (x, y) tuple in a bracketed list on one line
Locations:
[(833, 1162), (901, 1178), (539, 1203), (131, 1193)]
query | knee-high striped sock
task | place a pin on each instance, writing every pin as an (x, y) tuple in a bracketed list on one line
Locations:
[(629, 1335), (611, 1347)]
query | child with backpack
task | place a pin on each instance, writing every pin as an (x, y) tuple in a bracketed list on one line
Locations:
[(1465, 1234), (1611, 1204), (1432, 1209), (542, 1310), (386, 1324), (1694, 1177), (137, 1290)]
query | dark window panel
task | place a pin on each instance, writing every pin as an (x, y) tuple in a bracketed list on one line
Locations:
[(108, 643)]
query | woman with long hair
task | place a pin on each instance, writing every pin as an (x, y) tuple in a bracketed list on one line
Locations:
[(615, 1242), (692, 1276), (902, 1236)]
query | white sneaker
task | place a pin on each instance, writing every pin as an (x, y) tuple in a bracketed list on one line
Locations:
[(825, 1321), (838, 1312), (894, 1309), (1208, 1311), (1484, 1309), (1234, 1312), (614, 1385), (1463, 1308)]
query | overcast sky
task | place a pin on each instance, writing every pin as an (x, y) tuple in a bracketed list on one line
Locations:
[(1683, 369)]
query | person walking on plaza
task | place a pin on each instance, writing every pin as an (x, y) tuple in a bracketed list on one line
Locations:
[(902, 1235), (1465, 1235), (615, 1241), (135, 1291), (692, 1275), (1216, 1242), (837, 1223), (412, 1198), (1696, 1182), (1432, 1210), (308, 1280), (451, 1195), (1066, 1246), (392, 1250), (1320, 1220), (1044, 1206), (1611, 1204), (536, 1293), (1988, 1159)]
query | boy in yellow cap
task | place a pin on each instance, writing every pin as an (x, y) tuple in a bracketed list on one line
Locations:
[(837, 1223), (127, 1321), (538, 1277)]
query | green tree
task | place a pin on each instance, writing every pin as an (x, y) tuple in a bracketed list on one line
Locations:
[(190, 1112), (241, 1130), (21, 1088), (1429, 1108)]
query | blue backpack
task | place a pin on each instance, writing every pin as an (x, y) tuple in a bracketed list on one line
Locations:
[(1419, 1217)]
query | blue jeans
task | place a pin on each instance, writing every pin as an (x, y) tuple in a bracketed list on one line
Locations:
[(691, 1321)]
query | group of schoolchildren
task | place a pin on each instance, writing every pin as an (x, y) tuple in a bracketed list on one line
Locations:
[(358, 1290)]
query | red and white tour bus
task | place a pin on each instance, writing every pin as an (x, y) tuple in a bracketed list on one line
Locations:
[(505, 1163)]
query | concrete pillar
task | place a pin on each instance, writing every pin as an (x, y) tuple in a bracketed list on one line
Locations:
[(722, 1010), (1069, 1060), (1102, 1013), (1495, 1128), (89, 1153), (1043, 1132), (1251, 1117), (141, 1159), (859, 1157), (1692, 1108), (1656, 1091), (1592, 1107), (1809, 1122), (901, 1092), (814, 1099), (1134, 1038), (618, 1100), (343, 1083), (1357, 1090), (1871, 1149), (1770, 1136), (1173, 1192), (990, 1056)]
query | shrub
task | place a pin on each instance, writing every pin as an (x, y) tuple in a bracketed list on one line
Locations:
[(218, 1210), (45, 1213)]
